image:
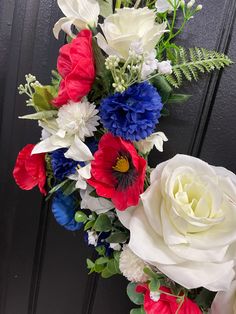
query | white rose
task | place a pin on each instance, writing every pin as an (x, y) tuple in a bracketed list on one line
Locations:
[(130, 25), (186, 223), (81, 13), (225, 301)]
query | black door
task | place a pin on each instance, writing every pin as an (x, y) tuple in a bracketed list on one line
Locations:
[(42, 266)]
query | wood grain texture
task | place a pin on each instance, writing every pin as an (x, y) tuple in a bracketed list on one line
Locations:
[(42, 266)]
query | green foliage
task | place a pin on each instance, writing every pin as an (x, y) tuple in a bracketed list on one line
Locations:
[(102, 224), (138, 311), (104, 265), (178, 98), (135, 297), (41, 115), (163, 87), (188, 64), (50, 175), (205, 298), (43, 97), (81, 217), (118, 237)]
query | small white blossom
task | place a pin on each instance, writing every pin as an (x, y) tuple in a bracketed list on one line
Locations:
[(92, 238), (163, 6), (199, 7), (157, 139), (190, 4), (155, 296), (132, 266), (150, 64), (164, 67), (115, 246)]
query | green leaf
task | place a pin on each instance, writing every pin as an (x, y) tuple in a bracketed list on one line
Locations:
[(80, 216), (137, 311), (148, 271), (163, 87), (102, 223), (98, 268), (112, 266), (58, 186), (106, 273), (135, 297), (102, 260), (118, 237), (101, 250), (89, 225), (154, 284), (90, 264), (205, 298), (41, 115), (178, 98), (42, 97), (106, 7), (69, 188)]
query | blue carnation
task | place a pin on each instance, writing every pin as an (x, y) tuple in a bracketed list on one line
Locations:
[(133, 114), (63, 209), (62, 167)]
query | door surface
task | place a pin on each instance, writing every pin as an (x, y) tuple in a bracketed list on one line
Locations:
[(42, 266)]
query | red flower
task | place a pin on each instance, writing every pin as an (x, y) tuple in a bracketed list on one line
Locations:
[(29, 170), (167, 304), (118, 171), (75, 64)]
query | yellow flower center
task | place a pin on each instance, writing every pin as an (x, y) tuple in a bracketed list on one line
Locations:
[(122, 164)]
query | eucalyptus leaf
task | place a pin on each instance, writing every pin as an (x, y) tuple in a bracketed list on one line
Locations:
[(80, 216), (178, 98), (103, 223), (137, 311), (102, 260), (118, 237), (90, 264), (106, 273), (89, 225), (135, 297), (154, 284)]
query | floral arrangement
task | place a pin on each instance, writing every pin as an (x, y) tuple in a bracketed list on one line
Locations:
[(170, 230)]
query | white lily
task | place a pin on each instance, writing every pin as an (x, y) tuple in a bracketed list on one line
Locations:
[(82, 174), (80, 13), (156, 139)]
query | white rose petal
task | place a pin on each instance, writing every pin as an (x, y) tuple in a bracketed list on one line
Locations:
[(129, 25), (164, 67), (185, 224), (225, 301)]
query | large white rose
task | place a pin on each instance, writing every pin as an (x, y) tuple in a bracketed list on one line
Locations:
[(127, 26), (186, 223), (225, 301)]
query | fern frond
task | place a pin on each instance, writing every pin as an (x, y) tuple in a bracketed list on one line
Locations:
[(187, 64)]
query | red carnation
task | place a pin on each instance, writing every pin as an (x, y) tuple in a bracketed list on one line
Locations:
[(118, 171), (29, 170), (167, 304), (75, 64)]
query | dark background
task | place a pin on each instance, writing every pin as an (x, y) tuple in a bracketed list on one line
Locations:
[(42, 266)]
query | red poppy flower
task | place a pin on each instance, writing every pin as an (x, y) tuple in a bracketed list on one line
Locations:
[(29, 170), (166, 304), (75, 64), (118, 171)]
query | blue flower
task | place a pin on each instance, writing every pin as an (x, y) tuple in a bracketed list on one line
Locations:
[(63, 209), (62, 167), (132, 114)]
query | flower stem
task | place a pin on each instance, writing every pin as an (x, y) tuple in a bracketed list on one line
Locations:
[(137, 3), (118, 4)]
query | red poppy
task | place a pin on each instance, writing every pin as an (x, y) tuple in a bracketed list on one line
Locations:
[(75, 64), (118, 171), (167, 304), (29, 170)]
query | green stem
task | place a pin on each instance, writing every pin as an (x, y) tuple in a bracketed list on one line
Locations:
[(137, 3), (118, 4)]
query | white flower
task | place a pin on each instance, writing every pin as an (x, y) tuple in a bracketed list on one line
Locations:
[(97, 204), (132, 266), (75, 122), (115, 246), (166, 5), (157, 139), (80, 13), (164, 67), (78, 118), (186, 223), (130, 25), (81, 176), (92, 238), (225, 301), (150, 64), (155, 295)]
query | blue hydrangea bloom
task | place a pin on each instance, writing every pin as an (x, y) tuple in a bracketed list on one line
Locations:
[(63, 209), (132, 114), (62, 166)]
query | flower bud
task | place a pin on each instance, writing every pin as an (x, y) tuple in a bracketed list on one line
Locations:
[(199, 7), (190, 4)]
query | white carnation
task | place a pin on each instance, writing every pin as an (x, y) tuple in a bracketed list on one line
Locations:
[(132, 266), (78, 119), (164, 67)]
